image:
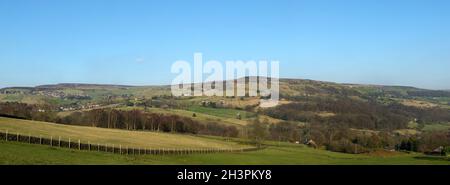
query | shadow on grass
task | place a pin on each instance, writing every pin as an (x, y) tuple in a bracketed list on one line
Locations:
[(433, 158)]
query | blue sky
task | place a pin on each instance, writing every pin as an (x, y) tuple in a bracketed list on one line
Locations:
[(392, 42)]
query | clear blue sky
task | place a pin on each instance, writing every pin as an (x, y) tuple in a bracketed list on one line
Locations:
[(392, 42)]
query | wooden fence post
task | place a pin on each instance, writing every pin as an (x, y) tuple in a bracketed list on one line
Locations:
[(59, 141), (40, 139), (89, 145), (17, 137), (98, 147), (79, 144), (106, 147), (120, 149), (69, 142), (29, 138), (6, 138), (113, 148), (51, 140)]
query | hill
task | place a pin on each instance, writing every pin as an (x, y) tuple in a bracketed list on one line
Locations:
[(337, 116), (110, 136), (290, 89)]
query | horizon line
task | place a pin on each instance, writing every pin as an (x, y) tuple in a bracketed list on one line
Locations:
[(155, 85)]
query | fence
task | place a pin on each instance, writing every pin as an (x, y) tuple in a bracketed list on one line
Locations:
[(111, 148)]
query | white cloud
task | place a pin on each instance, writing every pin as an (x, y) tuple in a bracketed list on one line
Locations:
[(140, 60)]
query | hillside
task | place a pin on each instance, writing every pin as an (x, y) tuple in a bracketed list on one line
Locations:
[(64, 94), (110, 136), (339, 117)]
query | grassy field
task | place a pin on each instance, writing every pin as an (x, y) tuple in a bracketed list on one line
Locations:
[(437, 127), (286, 154), (206, 115), (202, 117), (221, 112), (111, 136)]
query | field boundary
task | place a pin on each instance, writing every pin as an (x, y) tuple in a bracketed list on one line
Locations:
[(77, 144)]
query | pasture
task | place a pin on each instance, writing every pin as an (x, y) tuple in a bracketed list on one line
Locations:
[(284, 154), (137, 139)]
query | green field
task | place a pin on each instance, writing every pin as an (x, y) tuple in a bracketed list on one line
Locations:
[(221, 112), (288, 154), (437, 127), (202, 117), (138, 139), (206, 114)]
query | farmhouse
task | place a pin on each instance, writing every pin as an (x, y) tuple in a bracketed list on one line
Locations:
[(438, 151), (311, 143)]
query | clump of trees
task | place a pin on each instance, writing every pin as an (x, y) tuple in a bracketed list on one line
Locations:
[(339, 138), (357, 114), (428, 115), (27, 111), (429, 93), (426, 142), (139, 120), (258, 131), (285, 131)]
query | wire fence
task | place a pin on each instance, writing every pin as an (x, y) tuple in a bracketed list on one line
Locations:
[(77, 144)]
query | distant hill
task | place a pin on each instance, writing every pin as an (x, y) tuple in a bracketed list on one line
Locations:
[(290, 90), (81, 85)]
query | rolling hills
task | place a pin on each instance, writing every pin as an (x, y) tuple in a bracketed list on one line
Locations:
[(337, 117)]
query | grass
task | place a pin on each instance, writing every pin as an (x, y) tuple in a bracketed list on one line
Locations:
[(199, 116), (221, 112), (285, 154), (436, 127), (111, 136)]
